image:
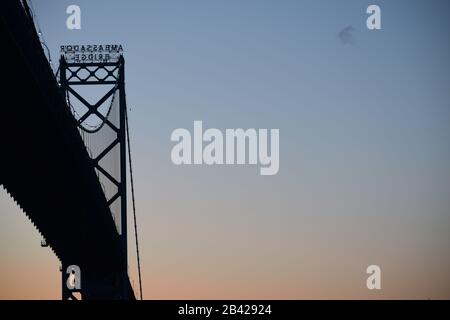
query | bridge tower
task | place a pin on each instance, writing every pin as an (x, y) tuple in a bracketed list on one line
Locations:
[(102, 124)]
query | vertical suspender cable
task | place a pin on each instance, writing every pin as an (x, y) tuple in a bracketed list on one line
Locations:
[(134, 207)]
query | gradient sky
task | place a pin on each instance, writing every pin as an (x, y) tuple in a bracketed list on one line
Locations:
[(364, 154)]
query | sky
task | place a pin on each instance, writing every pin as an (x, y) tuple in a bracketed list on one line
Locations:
[(364, 155)]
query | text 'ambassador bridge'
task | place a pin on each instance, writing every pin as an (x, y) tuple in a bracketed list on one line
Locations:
[(64, 149)]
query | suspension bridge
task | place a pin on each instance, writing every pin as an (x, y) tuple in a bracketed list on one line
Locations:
[(64, 157)]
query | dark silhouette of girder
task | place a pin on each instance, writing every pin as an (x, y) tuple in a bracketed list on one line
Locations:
[(45, 167)]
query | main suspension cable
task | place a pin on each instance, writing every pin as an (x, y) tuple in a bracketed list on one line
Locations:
[(134, 207)]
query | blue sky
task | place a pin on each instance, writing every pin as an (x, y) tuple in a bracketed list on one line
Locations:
[(364, 153)]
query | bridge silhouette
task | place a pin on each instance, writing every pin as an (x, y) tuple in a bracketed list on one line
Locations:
[(49, 166)]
